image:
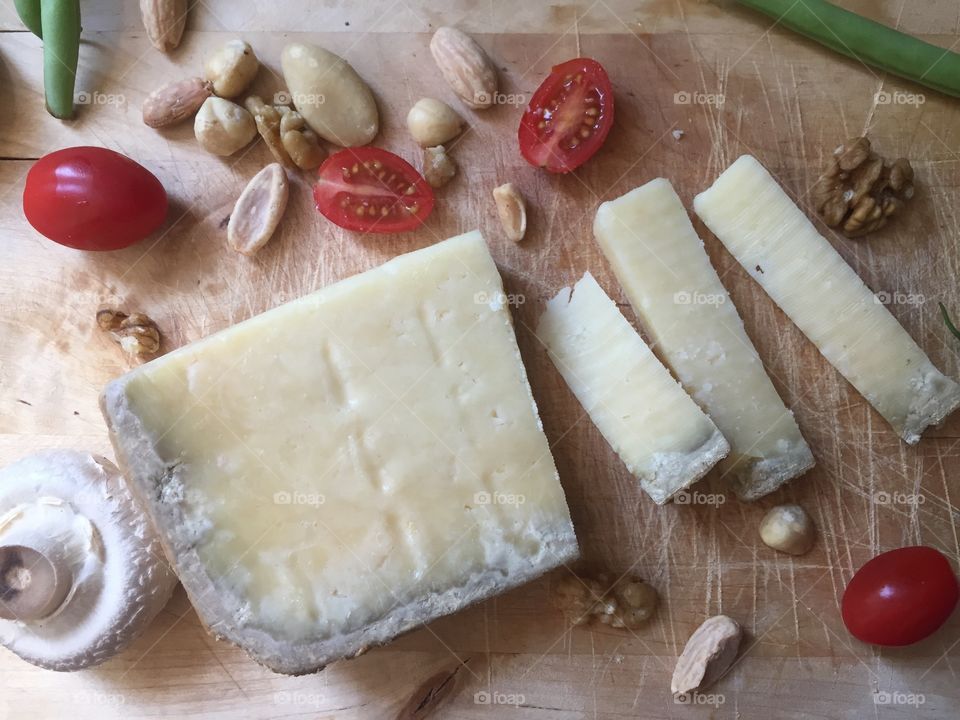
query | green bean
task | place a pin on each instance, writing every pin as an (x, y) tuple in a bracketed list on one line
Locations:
[(948, 322), (60, 20), (29, 12), (867, 41)]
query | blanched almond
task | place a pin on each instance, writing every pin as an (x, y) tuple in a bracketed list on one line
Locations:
[(465, 67), (175, 102), (258, 210), (334, 100)]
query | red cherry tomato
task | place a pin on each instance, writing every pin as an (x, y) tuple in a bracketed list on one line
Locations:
[(91, 198), (372, 190), (569, 116), (900, 597)]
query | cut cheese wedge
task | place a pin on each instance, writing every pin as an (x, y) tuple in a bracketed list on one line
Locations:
[(661, 435), (780, 248), (349, 465), (666, 273)]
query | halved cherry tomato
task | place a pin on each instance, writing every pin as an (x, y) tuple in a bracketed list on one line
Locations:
[(91, 198), (900, 597), (568, 117), (372, 190)]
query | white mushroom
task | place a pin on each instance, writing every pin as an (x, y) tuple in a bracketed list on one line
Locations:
[(82, 572)]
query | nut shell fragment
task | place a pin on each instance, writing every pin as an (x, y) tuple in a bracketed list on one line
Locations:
[(708, 654), (258, 210)]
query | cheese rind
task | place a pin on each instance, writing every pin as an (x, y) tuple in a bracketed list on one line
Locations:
[(782, 250), (661, 435), (678, 297), (349, 465)]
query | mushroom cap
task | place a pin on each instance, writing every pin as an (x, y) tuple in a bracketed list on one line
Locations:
[(121, 578)]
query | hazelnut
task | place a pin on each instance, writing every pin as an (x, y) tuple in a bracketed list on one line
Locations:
[(789, 529), (432, 122)]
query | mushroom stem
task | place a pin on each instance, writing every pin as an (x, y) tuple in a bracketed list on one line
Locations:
[(32, 584)]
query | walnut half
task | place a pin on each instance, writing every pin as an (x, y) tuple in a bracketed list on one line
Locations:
[(627, 603), (136, 334), (859, 192)]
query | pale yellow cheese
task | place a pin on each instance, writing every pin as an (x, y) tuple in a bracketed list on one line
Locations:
[(367, 454), (667, 276), (661, 435), (776, 243)]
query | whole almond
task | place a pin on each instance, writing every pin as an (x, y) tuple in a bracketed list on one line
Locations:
[(164, 21), (175, 102), (258, 210), (465, 67), (512, 211)]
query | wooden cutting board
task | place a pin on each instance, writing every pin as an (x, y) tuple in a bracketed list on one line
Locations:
[(784, 100)]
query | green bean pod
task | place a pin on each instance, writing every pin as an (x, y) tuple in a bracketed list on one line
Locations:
[(60, 20), (867, 41), (29, 12)]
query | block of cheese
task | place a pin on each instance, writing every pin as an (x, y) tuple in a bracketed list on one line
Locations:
[(661, 435), (352, 464), (667, 276), (782, 250)]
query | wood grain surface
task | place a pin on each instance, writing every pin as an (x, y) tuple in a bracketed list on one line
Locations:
[(785, 100)]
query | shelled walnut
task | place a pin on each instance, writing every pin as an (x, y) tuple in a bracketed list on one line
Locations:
[(136, 334), (860, 192), (286, 134), (438, 167), (628, 603)]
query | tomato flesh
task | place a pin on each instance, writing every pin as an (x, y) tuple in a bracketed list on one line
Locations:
[(900, 597), (371, 190), (91, 198), (569, 116)]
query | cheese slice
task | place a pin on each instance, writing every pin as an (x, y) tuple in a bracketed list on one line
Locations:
[(666, 273), (349, 465), (776, 243), (661, 435)]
